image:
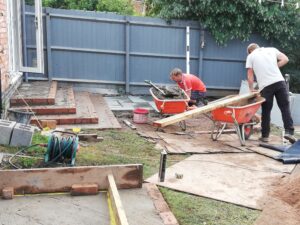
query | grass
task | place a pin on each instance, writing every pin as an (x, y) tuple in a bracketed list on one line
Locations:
[(123, 147), (194, 210)]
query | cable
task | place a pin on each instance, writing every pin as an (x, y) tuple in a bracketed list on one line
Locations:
[(22, 150)]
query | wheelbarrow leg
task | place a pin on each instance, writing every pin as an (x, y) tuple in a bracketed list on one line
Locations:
[(218, 132), (240, 131)]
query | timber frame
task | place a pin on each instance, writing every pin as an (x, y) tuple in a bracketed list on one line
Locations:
[(50, 180)]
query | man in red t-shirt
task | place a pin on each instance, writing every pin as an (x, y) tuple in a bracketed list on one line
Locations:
[(191, 84)]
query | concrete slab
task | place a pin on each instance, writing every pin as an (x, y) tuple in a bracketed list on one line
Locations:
[(139, 207), (77, 210), (242, 179), (55, 209)]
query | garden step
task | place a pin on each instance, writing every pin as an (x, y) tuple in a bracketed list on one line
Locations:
[(64, 104), (35, 93), (85, 113)]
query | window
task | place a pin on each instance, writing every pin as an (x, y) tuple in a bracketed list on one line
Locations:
[(16, 25)]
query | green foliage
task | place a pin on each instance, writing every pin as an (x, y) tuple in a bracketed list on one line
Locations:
[(228, 19), (119, 6)]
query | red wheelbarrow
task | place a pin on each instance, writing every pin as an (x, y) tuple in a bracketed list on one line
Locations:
[(169, 107), (241, 115)]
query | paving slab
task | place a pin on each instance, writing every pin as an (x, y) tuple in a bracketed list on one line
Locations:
[(242, 179), (129, 103)]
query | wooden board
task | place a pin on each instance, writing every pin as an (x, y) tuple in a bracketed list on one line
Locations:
[(117, 205), (199, 144), (61, 179), (204, 109), (242, 179)]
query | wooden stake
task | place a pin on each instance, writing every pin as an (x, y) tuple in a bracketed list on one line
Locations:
[(204, 109), (117, 206)]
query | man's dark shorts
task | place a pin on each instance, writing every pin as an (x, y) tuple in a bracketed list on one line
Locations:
[(198, 97)]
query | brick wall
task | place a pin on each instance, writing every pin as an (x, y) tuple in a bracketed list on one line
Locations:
[(3, 46)]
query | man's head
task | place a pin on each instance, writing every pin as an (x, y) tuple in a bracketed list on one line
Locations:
[(252, 47), (176, 75)]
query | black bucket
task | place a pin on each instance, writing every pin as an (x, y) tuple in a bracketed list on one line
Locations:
[(20, 116)]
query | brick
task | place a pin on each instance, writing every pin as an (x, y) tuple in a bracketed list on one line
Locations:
[(8, 193), (84, 189), (49, 123), (168, 218), (6, 130)]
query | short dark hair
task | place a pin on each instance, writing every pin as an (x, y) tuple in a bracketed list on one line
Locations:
[(176, 72)]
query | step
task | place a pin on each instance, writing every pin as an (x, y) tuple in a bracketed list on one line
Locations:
[(64, 104), (85, 113), (35, 93)]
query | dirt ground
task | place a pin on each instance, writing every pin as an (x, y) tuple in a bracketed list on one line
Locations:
[(283, 208)]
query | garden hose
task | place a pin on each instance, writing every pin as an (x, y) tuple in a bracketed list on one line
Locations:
[(62, 149)]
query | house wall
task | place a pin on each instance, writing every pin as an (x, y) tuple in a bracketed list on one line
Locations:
[(4, 46)]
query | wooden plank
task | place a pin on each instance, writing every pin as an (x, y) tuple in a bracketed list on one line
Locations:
[(117, 205), (204, 109), (48, 180), (129, 124)]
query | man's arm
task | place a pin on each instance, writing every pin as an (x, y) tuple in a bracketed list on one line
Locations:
[(250, 75), (282, 59)]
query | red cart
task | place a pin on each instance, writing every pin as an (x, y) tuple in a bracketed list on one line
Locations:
[(172, 106), (241, 115)]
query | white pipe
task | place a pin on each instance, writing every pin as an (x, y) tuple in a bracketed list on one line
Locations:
[(187, 49), (282, 3)]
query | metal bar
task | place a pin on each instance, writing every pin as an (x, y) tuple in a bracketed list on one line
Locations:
[(188, 50), (201, 49), (224, 59), (88, 81), (161, 55), (49, 53), (127, 57), (162, 166), (87, 50)]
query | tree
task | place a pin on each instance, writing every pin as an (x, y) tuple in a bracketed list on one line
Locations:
[(118, 6), (229, 19)]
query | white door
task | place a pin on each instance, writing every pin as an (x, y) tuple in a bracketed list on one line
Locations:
[(21, 60)]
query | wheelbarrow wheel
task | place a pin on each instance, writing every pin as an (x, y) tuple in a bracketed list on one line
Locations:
[(248, 130)]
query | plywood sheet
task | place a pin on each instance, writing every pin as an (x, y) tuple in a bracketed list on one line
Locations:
[(195, 144), (242, 179)]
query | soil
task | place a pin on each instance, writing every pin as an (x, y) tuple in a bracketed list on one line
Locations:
[(171, 92), (283, 208)]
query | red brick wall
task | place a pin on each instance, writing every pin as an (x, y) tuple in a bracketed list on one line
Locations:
[(3, 45)]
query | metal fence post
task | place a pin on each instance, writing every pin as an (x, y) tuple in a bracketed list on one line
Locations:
[(49, 54), (127, 49), (201, 49)]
